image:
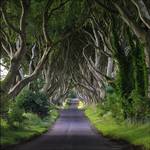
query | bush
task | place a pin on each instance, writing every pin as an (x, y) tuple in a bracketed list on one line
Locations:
[(15, 115), (140, 107), (33, 102), (113, 103), (109, 89), (135, 108), (29, 119), (3, 125)]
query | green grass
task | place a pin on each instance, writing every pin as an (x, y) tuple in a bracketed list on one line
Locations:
[(137, 134), (31, 127)]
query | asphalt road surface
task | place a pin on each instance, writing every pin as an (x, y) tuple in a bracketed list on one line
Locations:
[(73, 131)]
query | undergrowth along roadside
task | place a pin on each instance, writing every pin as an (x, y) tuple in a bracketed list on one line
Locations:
[(31, 127), (135, 133)]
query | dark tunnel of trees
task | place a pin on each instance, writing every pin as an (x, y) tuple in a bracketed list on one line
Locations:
[(98, 48)]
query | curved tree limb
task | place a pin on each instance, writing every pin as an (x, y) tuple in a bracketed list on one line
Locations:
[(143, 12)]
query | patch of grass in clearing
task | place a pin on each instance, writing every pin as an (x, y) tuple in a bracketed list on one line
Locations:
[(137, 134), (32, 126)]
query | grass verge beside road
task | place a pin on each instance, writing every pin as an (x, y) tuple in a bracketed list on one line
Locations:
[(31, 127), (136, 134)]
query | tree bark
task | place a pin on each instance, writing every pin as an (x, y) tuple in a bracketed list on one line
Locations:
[(110, 67), (20, 85), (17, 58)]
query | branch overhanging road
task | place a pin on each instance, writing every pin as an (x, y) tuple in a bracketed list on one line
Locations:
[(73, 131)]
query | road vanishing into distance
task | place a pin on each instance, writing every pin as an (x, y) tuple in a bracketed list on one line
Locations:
[(73, 131)]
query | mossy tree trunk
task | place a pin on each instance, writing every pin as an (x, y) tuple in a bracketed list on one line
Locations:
[(132, 75)]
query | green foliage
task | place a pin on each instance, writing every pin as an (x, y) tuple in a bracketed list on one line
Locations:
[(36, 85), (124, 79), (140, 108), (109, 89), (131, 80), (32, 126), (30, 117), (3, 125), (140, 70), (139, 65), (15, 115), (136, 107), (113, 104), (33, 102)]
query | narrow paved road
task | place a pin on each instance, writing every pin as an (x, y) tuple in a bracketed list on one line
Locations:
[(72, 131)]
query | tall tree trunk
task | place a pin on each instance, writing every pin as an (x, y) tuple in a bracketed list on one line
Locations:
[(147, 55), (110, 67), (47, 80)]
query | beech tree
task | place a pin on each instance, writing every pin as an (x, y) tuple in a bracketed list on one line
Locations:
[(82, 45)]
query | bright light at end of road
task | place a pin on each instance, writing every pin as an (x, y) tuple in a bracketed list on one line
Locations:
[(3, 70)]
